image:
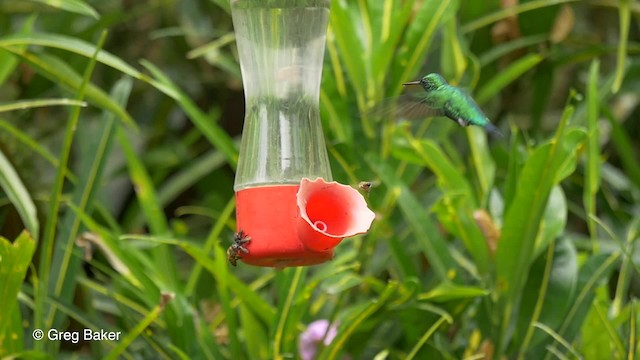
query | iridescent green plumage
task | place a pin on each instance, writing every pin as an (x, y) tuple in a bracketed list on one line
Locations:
[(441, 99)]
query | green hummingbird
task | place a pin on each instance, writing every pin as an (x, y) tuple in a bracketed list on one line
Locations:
[(442, 99)]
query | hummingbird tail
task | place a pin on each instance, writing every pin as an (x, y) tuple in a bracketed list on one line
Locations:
[(494, 131)]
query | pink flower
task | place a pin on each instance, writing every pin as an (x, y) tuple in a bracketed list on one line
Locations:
[(317, 331)]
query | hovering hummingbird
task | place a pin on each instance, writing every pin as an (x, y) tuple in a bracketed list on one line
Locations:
[(442, 99)]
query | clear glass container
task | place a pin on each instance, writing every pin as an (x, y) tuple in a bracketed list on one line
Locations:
[(281, 46)]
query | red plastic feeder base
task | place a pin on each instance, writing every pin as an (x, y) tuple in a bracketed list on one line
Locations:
[(270, 216)]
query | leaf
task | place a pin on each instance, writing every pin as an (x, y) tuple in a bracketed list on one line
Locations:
[(93, 159), (458, 201), (433, 245), (14, 261), (595, 343), (19, 196), (623, 144), (447, 291), (355, 321), (513, 72), (151, 207), (343, 28), (59, 72), (594, 270), (15, 43), (544, 169), (74, 6), (419, 34), (592, 175), (483, 164), (624, 12), (453, 59), (49, 235), (29, 104), (211, 130), (8, 62), (34, 146), (508, 12), (553, 221), (494, 53), (248, 296), (559, 290), (255, 336), (389, 19)]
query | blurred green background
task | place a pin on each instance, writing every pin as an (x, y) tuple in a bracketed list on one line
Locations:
[(116, 215)]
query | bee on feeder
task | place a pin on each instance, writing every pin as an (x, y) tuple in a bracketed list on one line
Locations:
[(236, 249), (366, 186)]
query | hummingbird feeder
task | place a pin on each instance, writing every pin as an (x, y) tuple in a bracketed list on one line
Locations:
[(287, 206)]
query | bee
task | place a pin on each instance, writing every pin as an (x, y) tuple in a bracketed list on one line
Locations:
[(234, 252), (367, 185)]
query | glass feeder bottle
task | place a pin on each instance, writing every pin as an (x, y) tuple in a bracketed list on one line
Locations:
[(281, 47)]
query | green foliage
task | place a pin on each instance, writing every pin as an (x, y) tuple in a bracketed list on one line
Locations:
[(117, 158)]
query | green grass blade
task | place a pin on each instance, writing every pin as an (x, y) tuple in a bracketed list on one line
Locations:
[(145, 190), (544, 169), (211, 130), (509, 12), (507, 76), (224, 289), (18, 195), (453, 59), (255, 337), (496, 52), (419, 35), (151, 207), (74, 6), (34, 146), (566, 344), (633, 342), (8, 62), (292, 289), (624, 12), (458, 201), (594, 270), (247, 295), (554, 220), (483, 164), (622, 142), (448, 291), (189, 175), (393, 16), (14, 43), (425, 231), (427, 335), (94, 157), (210, 243), (343, 27), (345, 332), (124, 258), (60, 73), (592, 173), (46, 256), (609, 327), (30, 104), (139, 328)]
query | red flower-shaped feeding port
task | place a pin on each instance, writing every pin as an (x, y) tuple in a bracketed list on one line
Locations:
[(296, 225)]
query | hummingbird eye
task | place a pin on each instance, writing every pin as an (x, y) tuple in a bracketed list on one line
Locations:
[(428, 85)]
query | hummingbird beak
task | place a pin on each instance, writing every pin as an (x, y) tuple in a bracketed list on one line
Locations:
[(417, 82)]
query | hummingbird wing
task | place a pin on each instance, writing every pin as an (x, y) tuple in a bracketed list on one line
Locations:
[(407, 106)]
